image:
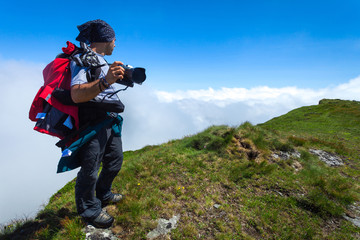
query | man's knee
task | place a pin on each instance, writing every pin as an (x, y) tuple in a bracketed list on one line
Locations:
[(116, 164), (87, 177)]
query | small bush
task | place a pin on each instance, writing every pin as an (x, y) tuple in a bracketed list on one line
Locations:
[(248, 170), (256, 134), (297, 141), (259, 141), (306, 156), (213, 138), (73, 228), (284, 147), (319, 203), (329, 192)]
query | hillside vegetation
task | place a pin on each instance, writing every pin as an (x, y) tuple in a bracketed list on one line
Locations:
[(228, 183)]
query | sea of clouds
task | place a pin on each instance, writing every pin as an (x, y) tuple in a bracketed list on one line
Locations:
[(29, 159)]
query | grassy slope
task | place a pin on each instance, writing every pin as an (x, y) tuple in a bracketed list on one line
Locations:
[(334, 121), (260, 197)]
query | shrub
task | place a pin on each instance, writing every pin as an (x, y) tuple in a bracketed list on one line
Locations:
[(249, 169), (214, 138), (297, 141), (329, 192), (284, 147)]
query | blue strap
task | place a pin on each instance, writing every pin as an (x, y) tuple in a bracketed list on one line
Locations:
[(68, 160)]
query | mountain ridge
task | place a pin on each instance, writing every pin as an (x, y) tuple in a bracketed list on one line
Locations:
[(233, 183)]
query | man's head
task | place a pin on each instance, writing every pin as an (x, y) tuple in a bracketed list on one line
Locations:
[(98, 33), (109, 47)]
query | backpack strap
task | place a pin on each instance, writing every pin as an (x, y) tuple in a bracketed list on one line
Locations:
[(88, 58), (62, 143), (93, 73)]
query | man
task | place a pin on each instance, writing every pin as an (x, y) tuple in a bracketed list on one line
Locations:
[(93, 95)]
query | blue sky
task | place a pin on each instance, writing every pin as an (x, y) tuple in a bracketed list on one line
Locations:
[(208, 63), (201, 44)]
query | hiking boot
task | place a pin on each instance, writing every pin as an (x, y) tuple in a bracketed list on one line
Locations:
[(117, 197), (104, 220)]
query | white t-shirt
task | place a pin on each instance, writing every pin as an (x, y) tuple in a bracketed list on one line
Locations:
[(78, 76)]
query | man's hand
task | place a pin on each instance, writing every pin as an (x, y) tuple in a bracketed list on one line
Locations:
[(115, 72), (87, 91)]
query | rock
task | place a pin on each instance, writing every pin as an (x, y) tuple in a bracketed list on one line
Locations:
[(330, 159), (217, 206), (164, 226), (353, 214), (355, 221), (93, 233), (350, 214), (297, 166), (286, 155)]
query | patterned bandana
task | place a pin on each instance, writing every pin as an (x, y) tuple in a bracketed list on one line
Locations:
[(95, 31)]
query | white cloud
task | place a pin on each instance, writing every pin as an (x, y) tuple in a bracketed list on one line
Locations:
[(29, 159), (226, 96), (235, 105)]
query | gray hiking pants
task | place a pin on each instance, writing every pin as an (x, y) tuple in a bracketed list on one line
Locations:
[(105, 148)]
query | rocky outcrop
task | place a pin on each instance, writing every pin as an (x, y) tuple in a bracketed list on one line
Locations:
[(93, 233), (329, 158), (285, 155), (164, 227), (353, 214)]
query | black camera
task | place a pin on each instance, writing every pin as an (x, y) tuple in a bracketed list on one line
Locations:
[(132, 75)]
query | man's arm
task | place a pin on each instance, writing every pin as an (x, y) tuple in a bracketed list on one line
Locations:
[(87, 91)]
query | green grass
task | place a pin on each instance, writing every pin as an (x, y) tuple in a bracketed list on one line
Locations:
[(259, 197), (332, 123)]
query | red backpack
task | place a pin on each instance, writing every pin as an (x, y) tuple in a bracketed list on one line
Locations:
[(52, 109)]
